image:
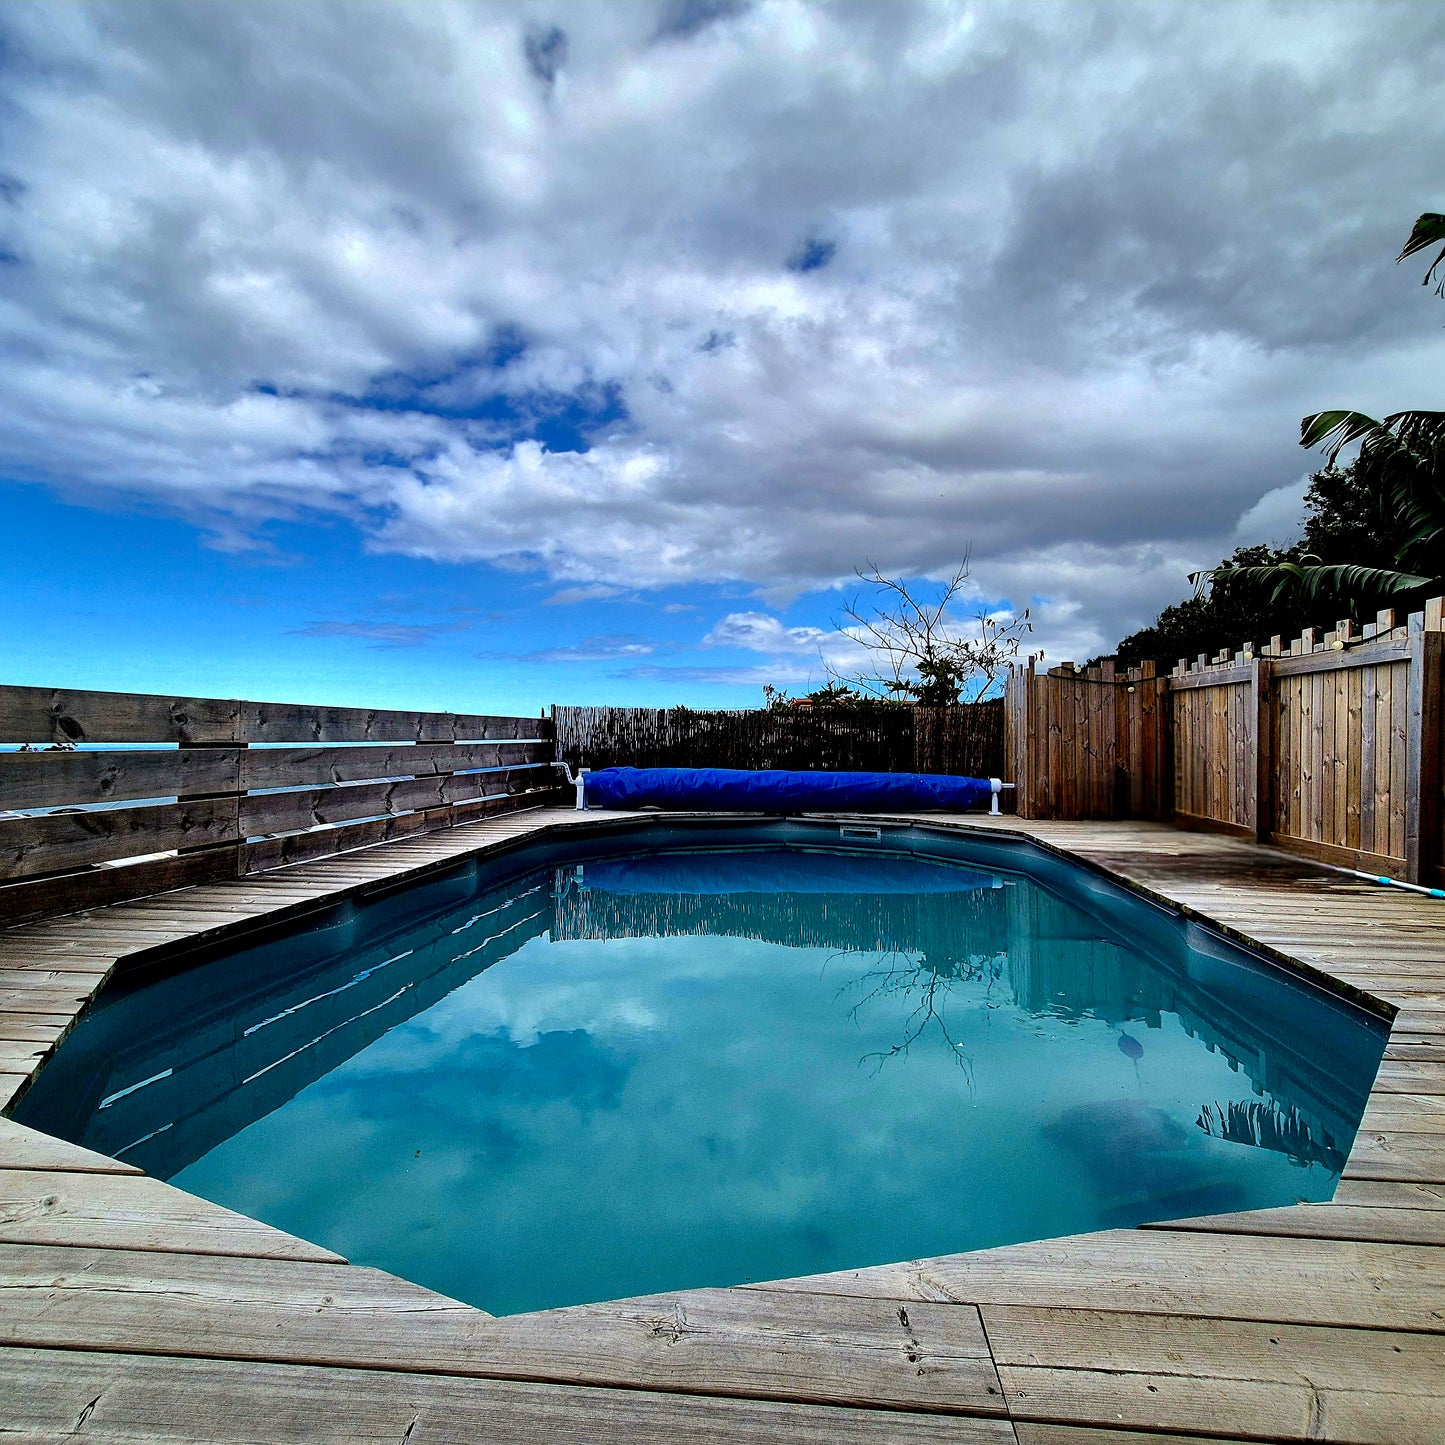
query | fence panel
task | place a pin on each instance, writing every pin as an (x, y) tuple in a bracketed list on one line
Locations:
[(1341, 777), (1213, 756), (1088, 744), (130, 794)]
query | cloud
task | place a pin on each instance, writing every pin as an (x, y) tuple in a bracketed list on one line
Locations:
[(571, 596), (1072, 275), (590, 649), (382, 635), (761, 632), (1278, 516)]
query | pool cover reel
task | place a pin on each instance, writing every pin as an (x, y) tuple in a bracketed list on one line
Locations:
[(778, 791)]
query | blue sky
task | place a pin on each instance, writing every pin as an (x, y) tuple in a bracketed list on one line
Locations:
[(127, 601), (493, 353)]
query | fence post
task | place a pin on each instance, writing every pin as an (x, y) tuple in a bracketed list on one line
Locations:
[(1422, 754), (1259, 772)]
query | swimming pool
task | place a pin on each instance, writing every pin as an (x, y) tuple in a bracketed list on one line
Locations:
[(677, 1054)]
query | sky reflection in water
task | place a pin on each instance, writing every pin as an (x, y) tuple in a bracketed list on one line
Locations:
[(654, 1073)]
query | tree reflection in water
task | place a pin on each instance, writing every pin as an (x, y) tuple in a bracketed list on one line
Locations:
[(924, 988)]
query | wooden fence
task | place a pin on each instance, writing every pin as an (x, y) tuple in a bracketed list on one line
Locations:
[(1088, 744), (1329, 746), (118, 795), (967, 740)]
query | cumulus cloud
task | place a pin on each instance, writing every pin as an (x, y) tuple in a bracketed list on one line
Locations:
[(762, 632), (1278, 516), (816, 283)]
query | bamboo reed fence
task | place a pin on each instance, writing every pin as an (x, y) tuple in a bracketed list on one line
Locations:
[(966, 740), (1330, 746)]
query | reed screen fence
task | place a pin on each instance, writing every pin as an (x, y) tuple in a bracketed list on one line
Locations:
[(966, 740)]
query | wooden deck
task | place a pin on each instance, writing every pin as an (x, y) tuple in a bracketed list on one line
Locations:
[(132, 1311)]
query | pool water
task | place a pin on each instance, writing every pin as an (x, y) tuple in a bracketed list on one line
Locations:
[(675, 1057)]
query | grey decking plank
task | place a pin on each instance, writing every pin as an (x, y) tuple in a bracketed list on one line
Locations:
[(1349, 1359), (1324, 1221), (1301, 1281), (1248, 1408), (131, 1397), (59, 1207), (228, 1307), (762, 1345), (25, 1148)]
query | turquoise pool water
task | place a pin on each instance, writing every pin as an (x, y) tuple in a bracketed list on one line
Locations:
[(679, 1056)]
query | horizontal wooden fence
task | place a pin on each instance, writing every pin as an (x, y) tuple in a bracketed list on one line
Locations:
[(965, 740), (116, 795), (1330, 746)]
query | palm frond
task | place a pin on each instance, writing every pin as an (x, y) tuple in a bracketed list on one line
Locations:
[(1335, 430), (1317, 580), (1421, 431), (1402, 454), (1428, 230)]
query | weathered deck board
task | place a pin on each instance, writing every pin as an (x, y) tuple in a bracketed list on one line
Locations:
[(723, 1342), (1033, 1432), (22, 1148), (1262, 1410), (72, 1395), (228, 1307), (1250, 1379), (1215, 1349), (60, 1207), (1300, 1281), (1315, 1321), (1324, 1221)]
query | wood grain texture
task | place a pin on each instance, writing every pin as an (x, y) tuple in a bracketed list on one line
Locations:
[(309, 807), (1272, 1381), (273, 722), (844, 1351), (63, 1207), (60, 716), (24, 1148), (1301, 1281), (311, 767), (1324, 1221), (86, 1396), (53, 779), (55, 841)]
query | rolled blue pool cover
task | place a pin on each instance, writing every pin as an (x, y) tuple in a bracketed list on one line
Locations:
[(779, 791)]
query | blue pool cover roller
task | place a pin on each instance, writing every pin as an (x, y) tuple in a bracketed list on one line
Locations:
[(779, 791)]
